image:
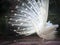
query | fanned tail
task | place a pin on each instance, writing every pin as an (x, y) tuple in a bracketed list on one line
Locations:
[(31, 17)]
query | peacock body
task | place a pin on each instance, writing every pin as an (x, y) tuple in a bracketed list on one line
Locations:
[(31, 17)]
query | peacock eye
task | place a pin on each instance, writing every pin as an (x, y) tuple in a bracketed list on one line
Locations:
[(17, 6), (10, 19), (12, 10), (26, 9), (15, 14), (18, 28), (14, 30), (21, 23), (23, 4), (12, 24)]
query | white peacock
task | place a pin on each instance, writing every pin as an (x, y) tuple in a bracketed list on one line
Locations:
[(31, 17)]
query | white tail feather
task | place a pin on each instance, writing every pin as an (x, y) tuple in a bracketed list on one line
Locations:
[(31, 17), (49, 32)]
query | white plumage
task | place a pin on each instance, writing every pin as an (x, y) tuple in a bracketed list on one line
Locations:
[(31, 17)]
